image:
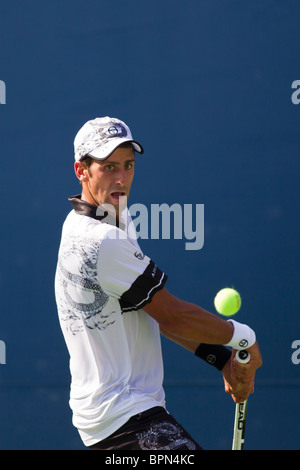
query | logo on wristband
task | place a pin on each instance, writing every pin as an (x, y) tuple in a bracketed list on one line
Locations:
[(211, 358), (243, 343)]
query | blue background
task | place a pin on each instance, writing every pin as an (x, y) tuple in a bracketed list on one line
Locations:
[(206, 87)]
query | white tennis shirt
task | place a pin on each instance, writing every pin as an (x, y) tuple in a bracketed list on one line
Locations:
[(102, 282)]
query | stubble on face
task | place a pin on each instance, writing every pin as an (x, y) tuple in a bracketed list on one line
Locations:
[(109, 181)]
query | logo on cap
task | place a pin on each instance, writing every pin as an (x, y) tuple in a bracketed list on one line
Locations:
[(118, 130), (113, 130)]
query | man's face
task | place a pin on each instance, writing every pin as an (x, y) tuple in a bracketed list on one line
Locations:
[(109, 181)]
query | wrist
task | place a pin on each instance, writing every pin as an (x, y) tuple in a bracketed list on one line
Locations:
[(243, 336), (214, 354)]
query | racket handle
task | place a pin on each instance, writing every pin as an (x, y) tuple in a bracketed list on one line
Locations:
[(243, 357)]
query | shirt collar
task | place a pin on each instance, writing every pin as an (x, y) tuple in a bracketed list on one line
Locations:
[(85, 208)]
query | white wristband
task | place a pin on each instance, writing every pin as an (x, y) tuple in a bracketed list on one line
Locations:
[(243, 337)]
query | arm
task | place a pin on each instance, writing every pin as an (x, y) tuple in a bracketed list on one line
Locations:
[(187, 321), (188, 325), (185, 343)]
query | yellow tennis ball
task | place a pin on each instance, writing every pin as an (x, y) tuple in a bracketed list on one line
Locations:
[(227, 301)]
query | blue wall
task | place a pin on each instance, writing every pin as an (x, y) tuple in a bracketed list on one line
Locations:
[(206, 87)]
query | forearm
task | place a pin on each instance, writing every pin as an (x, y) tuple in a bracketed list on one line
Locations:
[(187, 344), (204, 334), (196, 325), (215, 355), (188, 322)]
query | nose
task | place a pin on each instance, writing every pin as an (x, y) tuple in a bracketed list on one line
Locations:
[(120, 177)]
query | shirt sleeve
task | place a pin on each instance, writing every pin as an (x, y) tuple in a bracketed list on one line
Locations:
[(126, 273)]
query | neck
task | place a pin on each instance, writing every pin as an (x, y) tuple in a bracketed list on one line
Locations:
[(87, 195), (101, 208)]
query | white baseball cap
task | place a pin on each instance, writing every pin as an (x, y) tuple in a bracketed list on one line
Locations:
[(99, 138)]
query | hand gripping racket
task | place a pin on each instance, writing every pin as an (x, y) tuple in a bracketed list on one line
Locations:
[(240, 411)]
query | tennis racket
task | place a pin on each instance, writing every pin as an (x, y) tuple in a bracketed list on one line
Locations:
[(240, 411)]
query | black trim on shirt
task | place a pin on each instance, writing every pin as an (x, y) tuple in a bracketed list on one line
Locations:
[(85, 208), (143, 288)]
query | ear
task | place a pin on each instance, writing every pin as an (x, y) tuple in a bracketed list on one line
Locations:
[(81, 172)]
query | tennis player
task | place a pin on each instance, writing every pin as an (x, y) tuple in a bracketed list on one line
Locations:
[(113, 304)]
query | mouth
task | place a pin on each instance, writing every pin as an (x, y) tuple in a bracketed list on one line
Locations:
[(116, 195)]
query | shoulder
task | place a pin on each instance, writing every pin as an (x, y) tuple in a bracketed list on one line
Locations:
[(119, 250), (81, 225)]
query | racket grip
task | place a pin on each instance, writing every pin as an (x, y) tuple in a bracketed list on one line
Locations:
[(243, 357)]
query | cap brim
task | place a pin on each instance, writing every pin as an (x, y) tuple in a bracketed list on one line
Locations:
[(104, 151)]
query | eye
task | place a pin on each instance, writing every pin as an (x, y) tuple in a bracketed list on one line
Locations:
[(129, 165), (109, 167)]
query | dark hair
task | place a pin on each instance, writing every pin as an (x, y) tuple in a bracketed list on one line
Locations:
[(87, 160)]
